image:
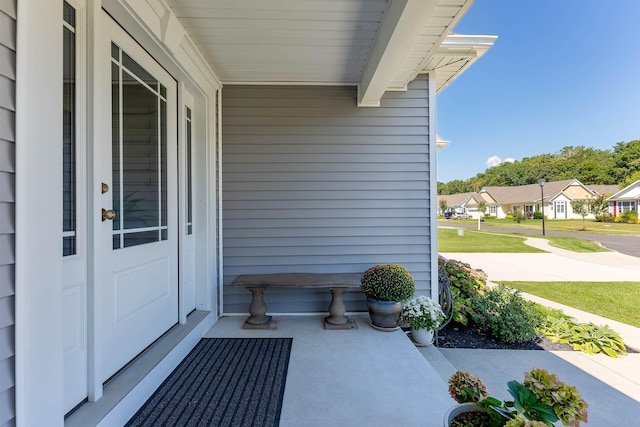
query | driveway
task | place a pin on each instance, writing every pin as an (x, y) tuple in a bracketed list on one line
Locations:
[(629, 245)]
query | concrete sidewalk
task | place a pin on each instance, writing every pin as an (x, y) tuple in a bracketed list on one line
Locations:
[(555, 265), (610, 386)]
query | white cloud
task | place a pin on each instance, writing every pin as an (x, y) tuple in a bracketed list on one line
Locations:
[(496, 161), (493, 161)]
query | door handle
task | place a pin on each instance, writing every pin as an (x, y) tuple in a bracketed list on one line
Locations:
[(109, 214)]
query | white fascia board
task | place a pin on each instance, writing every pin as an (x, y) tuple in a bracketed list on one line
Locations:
[(469, 48), (621, 194), (463, 42), (401, 25)]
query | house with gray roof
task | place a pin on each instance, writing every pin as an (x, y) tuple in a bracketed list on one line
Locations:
[(627, 199), (554, 199), (460, 203)]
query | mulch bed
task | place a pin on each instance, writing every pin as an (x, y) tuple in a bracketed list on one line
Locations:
[(455, 335)]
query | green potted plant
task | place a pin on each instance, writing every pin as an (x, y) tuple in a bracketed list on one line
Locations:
[(423, 315), (540, 400), (386, 286)]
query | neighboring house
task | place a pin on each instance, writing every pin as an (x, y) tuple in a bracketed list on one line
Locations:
[(461, 203), (124, 215), (526, 199), (627, 199), (604, 190)]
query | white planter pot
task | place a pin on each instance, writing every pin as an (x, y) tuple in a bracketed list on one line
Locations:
[(422, 337), (459, 409)]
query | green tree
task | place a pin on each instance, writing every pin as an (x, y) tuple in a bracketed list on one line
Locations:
[(630, 179), (482, 206), (581, 208), (600, 208), (443, 205)]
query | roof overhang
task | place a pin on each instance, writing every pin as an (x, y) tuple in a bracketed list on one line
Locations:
[(376, 45), (455, 55)]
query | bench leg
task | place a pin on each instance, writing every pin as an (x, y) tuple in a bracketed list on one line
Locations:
[(257, 310), (337, 318)]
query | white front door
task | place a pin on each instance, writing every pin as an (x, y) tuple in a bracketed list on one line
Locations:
[(139, 233)]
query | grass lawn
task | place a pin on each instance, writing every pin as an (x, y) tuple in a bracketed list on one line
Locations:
[(487, 241), (568, 225), (573, 244), (481, 241), (613, 300)]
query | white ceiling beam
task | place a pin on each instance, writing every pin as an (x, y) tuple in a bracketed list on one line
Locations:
[(401, 26)]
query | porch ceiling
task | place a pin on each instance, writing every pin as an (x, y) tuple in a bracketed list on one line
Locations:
[(377, 45)]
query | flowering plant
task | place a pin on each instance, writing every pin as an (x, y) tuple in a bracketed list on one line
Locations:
[(421, 312), (388, 282), (541, 399)]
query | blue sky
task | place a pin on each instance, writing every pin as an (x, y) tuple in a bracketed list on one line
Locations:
[(562, 72)]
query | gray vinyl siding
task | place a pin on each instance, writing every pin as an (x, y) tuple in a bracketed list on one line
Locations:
[(312, 183), (7, 210)]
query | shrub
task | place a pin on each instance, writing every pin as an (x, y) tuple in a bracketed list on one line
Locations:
[(518, 217), (508, 317), (388, 282), (629, 216), (537, 215), (466, 284)]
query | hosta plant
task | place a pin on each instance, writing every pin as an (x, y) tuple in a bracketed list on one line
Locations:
[(388, 282), (587, 337)]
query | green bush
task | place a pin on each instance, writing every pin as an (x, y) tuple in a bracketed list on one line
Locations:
[(466, 284), (508, 317), (629, 216), (537, 215), (518, 217), (388, 282)]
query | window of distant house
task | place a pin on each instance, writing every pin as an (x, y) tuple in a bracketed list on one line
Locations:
[(515, 208), (493, 210), (559, 207), (69, 132), (625, 206)]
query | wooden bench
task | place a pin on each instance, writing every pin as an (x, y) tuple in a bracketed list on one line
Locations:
[(336, 283)]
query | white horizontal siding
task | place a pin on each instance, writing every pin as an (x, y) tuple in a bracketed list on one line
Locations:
[(7, 210), (311, 183)]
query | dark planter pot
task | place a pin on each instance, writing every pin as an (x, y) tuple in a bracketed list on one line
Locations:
[(385, 315)]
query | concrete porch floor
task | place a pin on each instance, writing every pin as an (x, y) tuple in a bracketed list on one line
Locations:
[(360, 377), (365, 377)]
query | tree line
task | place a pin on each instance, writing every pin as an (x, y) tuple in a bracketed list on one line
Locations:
[(620, 165)]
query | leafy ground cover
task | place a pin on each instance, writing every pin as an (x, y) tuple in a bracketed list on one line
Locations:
[(499, 317), (613, 300)]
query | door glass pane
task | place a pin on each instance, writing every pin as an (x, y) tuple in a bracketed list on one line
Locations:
[(139, 155), (69, 134), (188, 173)]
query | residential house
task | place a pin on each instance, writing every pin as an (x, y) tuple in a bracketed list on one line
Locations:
[(627, 199), (461, 203), (124, 215), (526, 199)]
